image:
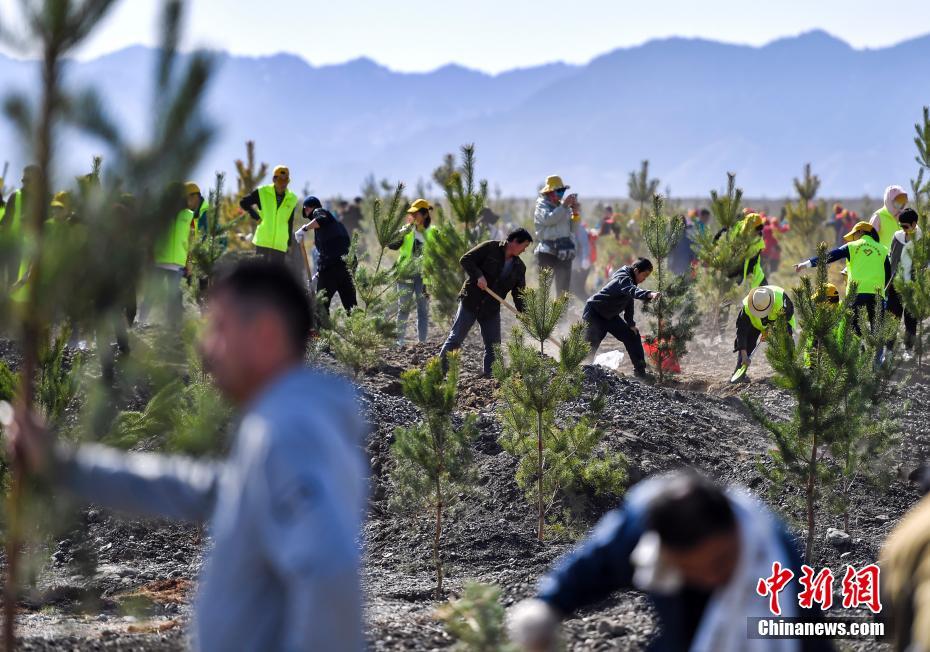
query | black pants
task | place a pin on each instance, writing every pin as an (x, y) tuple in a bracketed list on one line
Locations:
[(335, 279), (561, 269), (271, 255), (896, 308), (869, 302), (596, 328), (747, 335)]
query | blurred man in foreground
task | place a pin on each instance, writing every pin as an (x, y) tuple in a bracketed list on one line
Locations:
[(697, 550), (285, 508)]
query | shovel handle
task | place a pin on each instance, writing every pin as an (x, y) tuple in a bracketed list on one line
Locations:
[(506, 304)]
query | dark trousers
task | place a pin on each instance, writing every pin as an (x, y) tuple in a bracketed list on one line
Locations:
[(869, 302), (596, 328), (271, 255), (490, 333), (561, 269), (747, 336), (335, 279), (164, 291), (896, 308)]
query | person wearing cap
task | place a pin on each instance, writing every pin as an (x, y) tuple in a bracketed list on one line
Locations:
[(868, 268), (696, 549), (494, 265), (275, 212), (830, 296), (885, 219), (900, 261), (761, 308), (611, 310), (171, 257), (553, 220), (411, 242), (332, 244)]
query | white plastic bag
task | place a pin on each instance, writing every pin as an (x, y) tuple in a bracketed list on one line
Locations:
[(610, 360)]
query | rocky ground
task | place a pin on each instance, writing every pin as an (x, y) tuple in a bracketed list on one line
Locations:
[(111, 584)]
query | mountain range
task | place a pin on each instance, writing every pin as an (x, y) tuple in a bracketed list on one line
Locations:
[(695, 108)]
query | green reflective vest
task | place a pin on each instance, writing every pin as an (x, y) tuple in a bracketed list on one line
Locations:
[(405, 253), (867, 266), (172, 248), (777, 309), (272, 231), (756, 275), (888, 225), (16, 218)]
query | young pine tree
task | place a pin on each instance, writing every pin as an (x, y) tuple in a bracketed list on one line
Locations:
[(476, 620), (721, 255), (555, 460), (249, 175), (641, 188), (212, 241), (675, 312), (434, 462), (806, 217), (466, 197)]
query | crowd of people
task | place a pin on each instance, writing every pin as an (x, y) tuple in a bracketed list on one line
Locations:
[(287, 506)]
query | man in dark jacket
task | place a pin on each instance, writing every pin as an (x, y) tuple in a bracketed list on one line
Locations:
[(494, 264), (697, 550), (332, 244), (603, 310)]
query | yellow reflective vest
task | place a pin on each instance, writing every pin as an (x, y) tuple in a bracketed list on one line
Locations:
[(173, 247), (273, 231), (867, 266)]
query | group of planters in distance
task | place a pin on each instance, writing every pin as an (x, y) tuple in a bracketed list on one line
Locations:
[(678, 537)]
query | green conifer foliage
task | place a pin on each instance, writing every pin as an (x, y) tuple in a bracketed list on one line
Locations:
[(807, 218), (641, 188), (721, 255), (476, 620), (674, 313), (556, 459), (434, 459)]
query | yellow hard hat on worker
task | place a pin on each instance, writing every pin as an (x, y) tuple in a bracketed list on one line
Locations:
[(553, 183), (418, 205), (191, 188), (61, 200), (829, 293)]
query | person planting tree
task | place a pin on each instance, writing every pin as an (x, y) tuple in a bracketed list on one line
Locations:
[(869, 270), (885, 219), (331, 241), (412, 241), (603, 310), (277, 207), (761, 308), (697, 550), (554, 219), (493, 265)]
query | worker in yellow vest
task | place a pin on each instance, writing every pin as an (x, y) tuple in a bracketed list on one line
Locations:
[(275, 213), (11, 226), (885, 219), (171, 257), (761, 308), (868, 268), (753, 275), (412, 242)]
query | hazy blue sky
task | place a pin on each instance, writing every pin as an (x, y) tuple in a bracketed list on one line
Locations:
[(495, 35)]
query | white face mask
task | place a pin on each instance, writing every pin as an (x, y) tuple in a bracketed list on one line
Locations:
[(652, 574)]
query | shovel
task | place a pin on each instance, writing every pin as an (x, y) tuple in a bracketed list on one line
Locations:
[(509, 307)]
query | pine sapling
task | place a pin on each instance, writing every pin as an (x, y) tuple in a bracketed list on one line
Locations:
[(675, 311), (806, 217), (434, 462), (641, 188), (476, 620)]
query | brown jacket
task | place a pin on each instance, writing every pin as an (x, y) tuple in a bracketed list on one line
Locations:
[(487, 259)]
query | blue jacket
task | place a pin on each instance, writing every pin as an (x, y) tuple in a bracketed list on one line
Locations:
[(285, 513), (601, 565), (617, 296)]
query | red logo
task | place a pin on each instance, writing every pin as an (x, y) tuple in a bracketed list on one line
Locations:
[(773, 585)]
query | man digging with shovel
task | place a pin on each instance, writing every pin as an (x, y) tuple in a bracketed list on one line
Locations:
[(493, 266)]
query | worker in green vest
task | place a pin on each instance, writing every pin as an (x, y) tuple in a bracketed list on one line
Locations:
[(885, 219), (761, 308), (412, 242), (868, 268), (275, 213), (11, 226), (171, 259), (753, 274), (60, 211)]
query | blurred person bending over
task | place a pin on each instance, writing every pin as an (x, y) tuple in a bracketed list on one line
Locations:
[(277, 207), (285, 508), (553, 219), (697, 551)]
